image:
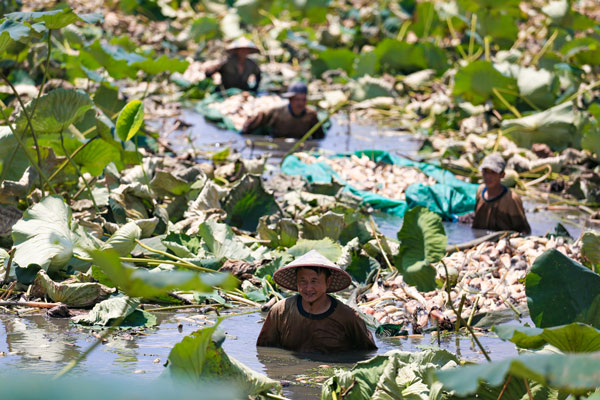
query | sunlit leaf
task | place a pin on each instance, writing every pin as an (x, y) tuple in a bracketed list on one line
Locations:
[(123, 240), (327, 247), (247, 202), (130, 120), (572, 338), (74, 294), (476, 81)]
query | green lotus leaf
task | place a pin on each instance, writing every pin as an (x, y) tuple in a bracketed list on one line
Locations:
[(43, 237), (560, 291), (475, 84), (79, 294), (423, 242), (402, 57), (328, 225), (199, 357), (571, 373), (109, 310), (123, 240), (393, 375), (247, 201), (220, 241), (538, 86), (161, 65), (572, 338), (54, 19), (11, 31), (55, 111), (327, 247), (165, 183), (130, 120), (333, 59), (583, 50), (556, 127), (11, 153), (96, 156), (590, 247), (204, 28), (140, 282)]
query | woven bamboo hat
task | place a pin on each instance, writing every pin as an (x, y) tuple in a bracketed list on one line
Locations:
[(242, 43), (286, 276)]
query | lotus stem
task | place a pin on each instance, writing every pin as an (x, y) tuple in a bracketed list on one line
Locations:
[(29, 124), (83, 355), (506, 103), (152, 261), (31, 160), (545, 48), (455, 37), (472, 36), (525, 99), (313, 130), (528, 389), (504, 387), (66, 162), (383, 253), (182, 307), (403, 29), (541, 178), (458, 317), (460, 308), (243, 300), (486, 42), (173, 257), (11, 254), (581, 91), (87, 187)]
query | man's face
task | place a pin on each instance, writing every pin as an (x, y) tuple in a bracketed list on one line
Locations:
[(298, 103), (242, 53), (312, 286), (491, 178)]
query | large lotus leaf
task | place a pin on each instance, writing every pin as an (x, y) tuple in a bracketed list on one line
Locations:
[(10, 149), (165, 183), (43, 237), (327, 247), (328, 225), (182, 245), (162, 64), (23, 384), (284, 233), (54, 19), (394, 375), (4, 258), (560, 291), (572, 338), (356, 264), (230, 25), (423, 242), (475, 84), (96, 156), (247, 202), (500, 27), (220, 241), (204, 28), (401, 57), (584, 50), (130, 120), (115, 60), (591, 138), (55, 111), (572, 373), (11, 31), (199, 357), (555, 127), (333, 59), (80, 294), (109, 310), (538, 86), (139, 282), (590, 247), (123, 240)]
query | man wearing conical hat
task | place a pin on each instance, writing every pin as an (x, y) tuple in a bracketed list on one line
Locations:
[(292, 120), (312, 321), (237, 69)]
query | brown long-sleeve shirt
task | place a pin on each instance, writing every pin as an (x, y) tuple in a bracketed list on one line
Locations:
[(500, 214), (338, 329), (232, 77), (279, 122)]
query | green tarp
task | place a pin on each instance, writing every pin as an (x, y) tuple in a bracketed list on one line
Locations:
[(449, 197)]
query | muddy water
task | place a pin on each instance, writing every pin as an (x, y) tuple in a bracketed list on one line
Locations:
[(36, 344)]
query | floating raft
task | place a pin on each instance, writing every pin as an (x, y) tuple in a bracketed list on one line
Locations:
[(434, 188)]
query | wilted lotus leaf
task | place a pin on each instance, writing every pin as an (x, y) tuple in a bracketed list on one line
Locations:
[(73, 294), (165, 183), (328, 225), (107, 311), (247, 202), (55, 111), (43, 237), (123, 240), (590, 247), (555, 127), (220, 241)]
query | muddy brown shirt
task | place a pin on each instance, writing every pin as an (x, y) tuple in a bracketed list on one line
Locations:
[(232, 77), (338, 329), (279, 122), (504, 213)]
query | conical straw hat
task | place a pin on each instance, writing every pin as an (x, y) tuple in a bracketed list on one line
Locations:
[(286, 276), (242, 43)]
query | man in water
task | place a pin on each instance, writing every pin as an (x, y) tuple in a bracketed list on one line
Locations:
[(498, 208), (313, 321), (237, 69), (293, 120)]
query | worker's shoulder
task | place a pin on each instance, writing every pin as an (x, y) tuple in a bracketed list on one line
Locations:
[(346, 311), (514, 196), (480, 189), (285, 304), (310, 111)]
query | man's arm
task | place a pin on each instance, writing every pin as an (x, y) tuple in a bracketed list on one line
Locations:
[(260, 120), (360, 335), (518, 217), (210, 71), (269, 334)]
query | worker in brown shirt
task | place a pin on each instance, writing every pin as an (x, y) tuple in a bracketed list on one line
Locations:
[(313, 321), (498, 208), (237, 69), (293, 120)]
